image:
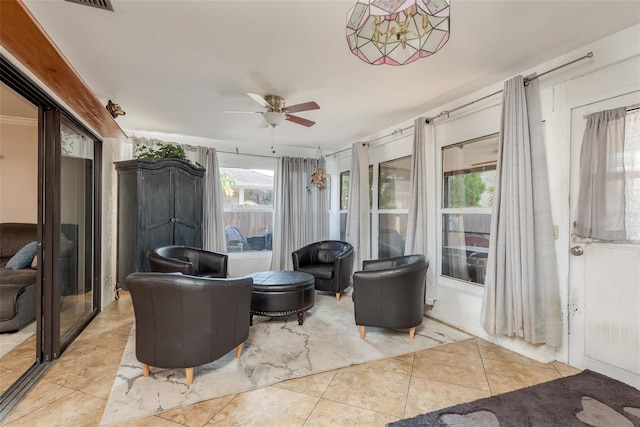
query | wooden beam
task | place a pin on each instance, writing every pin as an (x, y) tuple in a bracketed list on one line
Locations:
[(25, 39)]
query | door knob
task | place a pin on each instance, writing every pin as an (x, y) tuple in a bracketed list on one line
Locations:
[(576, 250)]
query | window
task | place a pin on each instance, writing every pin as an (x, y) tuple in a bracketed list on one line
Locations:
[(344, 198), (344, 203), (468, 180), (632, 174), (393, 206), (248, 208)]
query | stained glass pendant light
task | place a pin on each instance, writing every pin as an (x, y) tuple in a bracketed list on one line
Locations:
[(397, 32)]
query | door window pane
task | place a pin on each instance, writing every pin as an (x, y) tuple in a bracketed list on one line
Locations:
[(76, 228)]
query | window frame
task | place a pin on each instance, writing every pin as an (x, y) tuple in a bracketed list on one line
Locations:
[(228, 160), (442, 211), (388, 211), (343, 210), (375, 160)]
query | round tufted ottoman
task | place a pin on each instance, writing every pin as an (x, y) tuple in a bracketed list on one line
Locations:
[(281, 293)]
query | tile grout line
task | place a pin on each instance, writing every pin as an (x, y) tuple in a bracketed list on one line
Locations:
[(484, 368), (406, 400)]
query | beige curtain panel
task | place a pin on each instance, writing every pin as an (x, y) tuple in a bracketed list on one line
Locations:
[(358, 231), (421, 235), (522, 297), (301, 209)]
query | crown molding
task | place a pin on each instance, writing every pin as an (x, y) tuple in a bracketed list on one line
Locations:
[(18, 121)]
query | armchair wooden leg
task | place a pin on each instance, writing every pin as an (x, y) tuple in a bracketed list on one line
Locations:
[(239, 350), (338, 295), (412, 333), (362, 328), (145, 370), (189, 373)]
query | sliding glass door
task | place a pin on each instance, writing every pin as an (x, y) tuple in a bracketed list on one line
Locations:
[(18, 219), (51, 179), (76, 228)]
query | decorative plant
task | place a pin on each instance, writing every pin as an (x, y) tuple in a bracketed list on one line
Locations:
[(163, 151)]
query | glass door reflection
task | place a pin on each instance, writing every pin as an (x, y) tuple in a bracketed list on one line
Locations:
[(76, 228)]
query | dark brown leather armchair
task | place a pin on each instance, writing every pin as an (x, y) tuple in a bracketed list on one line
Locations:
[(186, 321), (389, 293), (187, 260), (329, 261)]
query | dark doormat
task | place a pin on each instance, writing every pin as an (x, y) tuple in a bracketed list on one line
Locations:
[(585, 399)]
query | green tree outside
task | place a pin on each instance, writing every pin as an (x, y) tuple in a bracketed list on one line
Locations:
[(466, 190), (227, 181)]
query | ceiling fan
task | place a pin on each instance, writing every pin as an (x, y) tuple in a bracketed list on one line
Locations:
[(276, 111)]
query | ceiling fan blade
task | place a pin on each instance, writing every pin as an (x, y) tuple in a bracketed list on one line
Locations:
[(306, 106), (259, 99), (300, 121)]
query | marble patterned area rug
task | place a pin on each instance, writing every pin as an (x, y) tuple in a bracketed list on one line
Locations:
[(585, 399), (277, 349)]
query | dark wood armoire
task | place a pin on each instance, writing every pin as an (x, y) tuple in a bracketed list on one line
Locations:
[(159, 204)]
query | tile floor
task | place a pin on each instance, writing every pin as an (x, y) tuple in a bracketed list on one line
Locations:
[(75, 391)]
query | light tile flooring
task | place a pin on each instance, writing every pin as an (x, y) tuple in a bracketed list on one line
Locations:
[(75, 391)]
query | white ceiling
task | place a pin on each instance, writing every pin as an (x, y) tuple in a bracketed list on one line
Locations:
[(175, 66)]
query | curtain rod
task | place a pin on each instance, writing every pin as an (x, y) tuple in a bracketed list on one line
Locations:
[(195, 148), (526, 81), (446, 113), (395, 132), (247, 154), (344, 149)]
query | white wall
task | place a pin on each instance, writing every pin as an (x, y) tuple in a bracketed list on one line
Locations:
[(615, 69), (18, 170), (111, 152), (233, 150)]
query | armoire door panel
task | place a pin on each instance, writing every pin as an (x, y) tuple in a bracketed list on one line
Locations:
[(157, 198), (156, 237), (188, 210), (186, 235), (164, 200)]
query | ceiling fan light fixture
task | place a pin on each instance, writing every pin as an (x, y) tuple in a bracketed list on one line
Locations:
[(274, 118), (397, 32)]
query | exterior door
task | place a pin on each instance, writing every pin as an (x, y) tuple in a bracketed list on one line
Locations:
[(604, 294)]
